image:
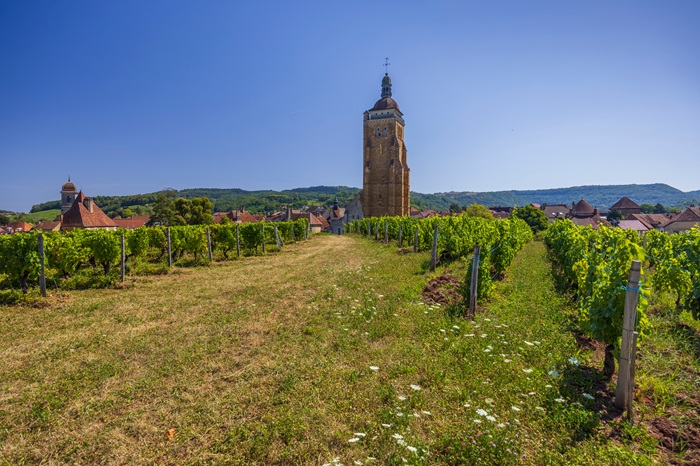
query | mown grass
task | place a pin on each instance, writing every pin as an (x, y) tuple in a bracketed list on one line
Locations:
[(321, 354)]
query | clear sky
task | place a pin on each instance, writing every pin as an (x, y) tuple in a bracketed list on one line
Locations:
[(130, 97)]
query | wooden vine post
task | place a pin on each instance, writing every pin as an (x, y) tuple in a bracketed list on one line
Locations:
[(376, 231), (415, 241), (400, 234), (211, 254), (238, 243), (277, 239), (625, 377), (42, 276), (294, 238), (474, 286), (433, 255), (123, 260), (386, 231), (170, 250), (263, 237), (369, 232)]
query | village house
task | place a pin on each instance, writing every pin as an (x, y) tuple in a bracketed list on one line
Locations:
[(84, 213), (684, 221), (626, 207), (236, 216), (131, 223)]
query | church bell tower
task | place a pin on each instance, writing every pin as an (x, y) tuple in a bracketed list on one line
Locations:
[(385, 186)]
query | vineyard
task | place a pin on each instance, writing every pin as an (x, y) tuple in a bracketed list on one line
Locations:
[(596, 265), (145, 249), (457, 236)]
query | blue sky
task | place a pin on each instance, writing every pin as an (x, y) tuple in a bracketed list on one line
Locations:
[(131, 97)]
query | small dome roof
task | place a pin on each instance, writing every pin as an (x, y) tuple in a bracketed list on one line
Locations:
[(583, 207), (68, 187), (386, 79), (386, 102)]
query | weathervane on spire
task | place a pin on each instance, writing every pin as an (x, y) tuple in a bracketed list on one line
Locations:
[(386, 65)]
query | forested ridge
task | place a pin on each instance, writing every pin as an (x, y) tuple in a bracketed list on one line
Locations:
[(266, 201)]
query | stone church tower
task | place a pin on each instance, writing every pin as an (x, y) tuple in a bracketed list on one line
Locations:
[(385, 186), (68, 194)]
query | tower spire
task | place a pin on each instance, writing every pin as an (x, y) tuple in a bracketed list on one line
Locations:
[(386, 81)]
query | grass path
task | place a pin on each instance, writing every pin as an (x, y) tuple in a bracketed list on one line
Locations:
[(323, 352)]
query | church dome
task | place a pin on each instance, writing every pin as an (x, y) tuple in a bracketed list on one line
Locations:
[(68, 187), (386, 102)]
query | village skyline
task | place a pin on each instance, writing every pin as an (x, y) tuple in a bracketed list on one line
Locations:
[(131, 99)]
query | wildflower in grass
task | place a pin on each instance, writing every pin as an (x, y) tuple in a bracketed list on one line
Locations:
[(360, 434), (527, 371), (536, 342), (412, 449), (483, 335), (477, 421), (387, 425), (415, 387), (560, 400), (553, 373), (399, 414), (455, 327), (380, 296), (491, 418), (540, 408), (353, 440), (590, 397), (574, 361), (547, 386), (515, 408), (402, 398), (487, 350), (528, 343), (482, 412), (469, 335), (501, 425), (358, 462), (467, 405), (374, 368), (506, 360), (397, 436), (401, 442), (488, 401), (442, 330), (427, 413)]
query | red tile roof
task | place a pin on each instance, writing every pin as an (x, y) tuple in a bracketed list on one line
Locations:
[(236, 216), (690, 215), (137, 221), (79, 215), (624, 203), (632, 225), (48, 225), (20, 226)]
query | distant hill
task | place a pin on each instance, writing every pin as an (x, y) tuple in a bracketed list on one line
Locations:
[(267, 201), (598, 196)]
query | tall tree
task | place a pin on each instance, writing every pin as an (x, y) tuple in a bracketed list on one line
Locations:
[(164, 211), (533, 216), (478, 210)]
